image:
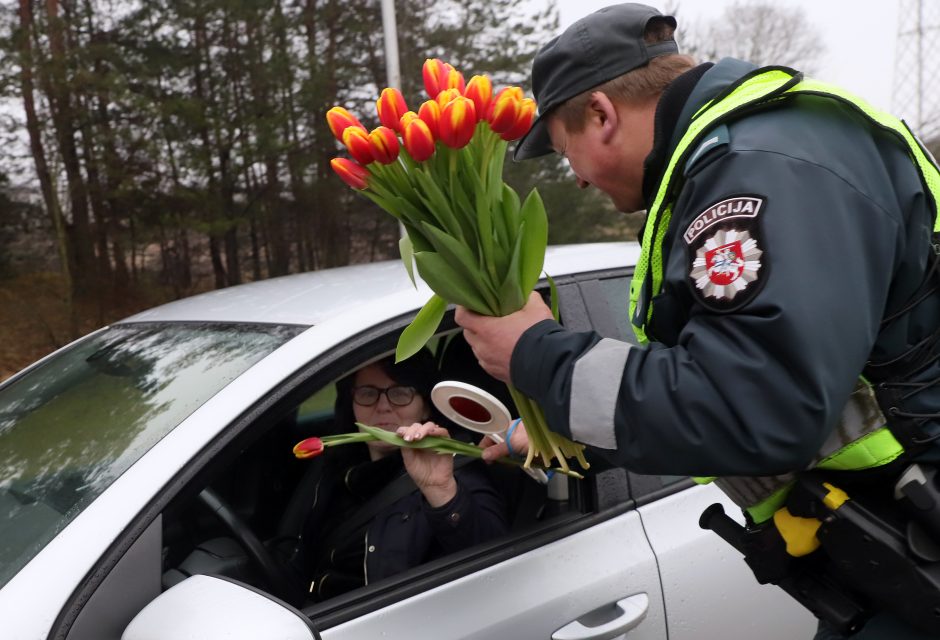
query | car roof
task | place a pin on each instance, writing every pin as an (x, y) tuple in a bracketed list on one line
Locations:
[(312, 297)]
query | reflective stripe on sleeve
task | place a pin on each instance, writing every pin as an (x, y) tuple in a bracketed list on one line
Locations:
[(595, 386)]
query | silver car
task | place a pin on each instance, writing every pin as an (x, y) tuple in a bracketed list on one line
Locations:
[(144, 468)]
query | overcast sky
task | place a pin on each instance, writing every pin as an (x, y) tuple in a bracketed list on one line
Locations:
[(859, 37)]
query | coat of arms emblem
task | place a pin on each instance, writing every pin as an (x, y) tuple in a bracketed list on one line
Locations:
[(725, 264)]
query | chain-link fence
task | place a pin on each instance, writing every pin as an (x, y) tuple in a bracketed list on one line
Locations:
[(917, 67)]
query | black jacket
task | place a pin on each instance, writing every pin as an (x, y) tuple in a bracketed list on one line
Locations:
[(755, 386), (401, 535)]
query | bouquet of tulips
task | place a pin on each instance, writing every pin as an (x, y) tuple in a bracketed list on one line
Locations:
[(438, 171)]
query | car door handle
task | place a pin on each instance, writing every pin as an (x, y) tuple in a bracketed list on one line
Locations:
[(628, 613)]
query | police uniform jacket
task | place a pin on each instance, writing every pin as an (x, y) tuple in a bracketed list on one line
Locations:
[(798, 234)]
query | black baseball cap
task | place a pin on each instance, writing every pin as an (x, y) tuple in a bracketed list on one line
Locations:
[(597, 48)]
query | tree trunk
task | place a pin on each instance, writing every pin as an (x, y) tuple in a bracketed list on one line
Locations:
[(50, 198), (57, 88)]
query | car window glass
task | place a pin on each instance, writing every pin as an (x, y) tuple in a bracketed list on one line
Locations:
[(318, 406), (104, 403), (617, 294)]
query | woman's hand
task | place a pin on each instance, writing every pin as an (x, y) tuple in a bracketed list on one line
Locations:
[(519, 441), (431, 471)]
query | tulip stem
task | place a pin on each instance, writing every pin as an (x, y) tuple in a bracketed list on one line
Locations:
[(544, 443)]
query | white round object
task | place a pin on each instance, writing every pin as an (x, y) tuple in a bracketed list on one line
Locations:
[(470, 407)]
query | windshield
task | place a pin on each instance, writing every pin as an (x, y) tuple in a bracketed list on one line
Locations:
[(74, 424)]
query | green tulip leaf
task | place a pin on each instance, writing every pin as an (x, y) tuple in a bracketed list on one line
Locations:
[(407, 251), (448, 283), (437, 204), (511, 296), (534, 241), (511, 204), (462, 259), (384, 201), (418, 241), (553, 289), (421, 329)]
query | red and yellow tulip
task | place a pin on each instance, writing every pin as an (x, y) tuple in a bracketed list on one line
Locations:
[(525, 114), (435, 76), (453, 79), (358, 144), (390, 107), (430, 112), (458, 122), (504, 109), (385, 145), (418, 140), (339, 120), (309, 448), (406, 117), (447, 95), (353, 174), (480, 90)]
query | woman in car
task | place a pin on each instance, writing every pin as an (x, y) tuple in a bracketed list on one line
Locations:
[(380, 509)]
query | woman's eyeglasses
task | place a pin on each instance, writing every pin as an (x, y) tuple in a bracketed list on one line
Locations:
[(367, 395)]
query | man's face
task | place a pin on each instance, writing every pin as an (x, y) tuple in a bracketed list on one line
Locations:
[(609, 151)]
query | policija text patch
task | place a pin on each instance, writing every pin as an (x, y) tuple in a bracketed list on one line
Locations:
[(724, 252)]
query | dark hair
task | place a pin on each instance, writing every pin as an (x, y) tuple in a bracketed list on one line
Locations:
[(418, 371)]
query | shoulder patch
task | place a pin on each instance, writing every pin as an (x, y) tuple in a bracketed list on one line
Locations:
[(727, 266), (728, 209), (715, 139)]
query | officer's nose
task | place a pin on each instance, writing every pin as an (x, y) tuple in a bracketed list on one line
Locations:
[(582, 183)]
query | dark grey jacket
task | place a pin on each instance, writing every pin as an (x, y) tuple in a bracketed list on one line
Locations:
[(755, 385)]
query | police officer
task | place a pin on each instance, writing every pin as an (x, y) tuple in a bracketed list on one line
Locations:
[(787, 297)]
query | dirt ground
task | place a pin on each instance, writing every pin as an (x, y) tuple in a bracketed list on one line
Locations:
[(35, 319)]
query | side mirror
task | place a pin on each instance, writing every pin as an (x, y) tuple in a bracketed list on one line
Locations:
[(210, 607)]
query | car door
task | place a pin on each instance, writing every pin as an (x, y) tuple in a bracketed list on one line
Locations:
[(701, 574), (585, 574)]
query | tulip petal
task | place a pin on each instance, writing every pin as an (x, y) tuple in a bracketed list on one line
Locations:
[(430, 112), (309, 448), (339, 119), (385, 145), (458, 122), (480, 90), (355, 175), (418, 140), (524, 117), (358, 144), (390, 107), (434, 73)]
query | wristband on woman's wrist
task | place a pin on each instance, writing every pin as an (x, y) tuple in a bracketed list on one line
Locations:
[(512, 427)]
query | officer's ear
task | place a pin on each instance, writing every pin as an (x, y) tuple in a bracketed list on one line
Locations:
[(602, 113)]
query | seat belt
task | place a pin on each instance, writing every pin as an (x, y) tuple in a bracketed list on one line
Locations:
[(390, 494)]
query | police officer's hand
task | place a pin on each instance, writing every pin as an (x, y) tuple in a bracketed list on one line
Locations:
[(493, 339), (432, 472)]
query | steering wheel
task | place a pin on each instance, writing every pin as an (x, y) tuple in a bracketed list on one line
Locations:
[(275, 574)]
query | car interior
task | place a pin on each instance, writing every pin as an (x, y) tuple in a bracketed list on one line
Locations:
[(242, 516)]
